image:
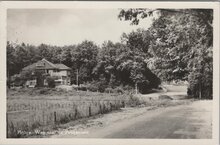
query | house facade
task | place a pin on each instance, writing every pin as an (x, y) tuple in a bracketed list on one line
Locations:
[(60, 72)]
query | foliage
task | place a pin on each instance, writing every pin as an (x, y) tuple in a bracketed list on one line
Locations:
[(134, 101), (51, 81), (84, 59), (181, 45), (111, 66), (120, 64)]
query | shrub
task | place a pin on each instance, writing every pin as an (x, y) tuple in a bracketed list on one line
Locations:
[(65, 119), (96, 86), (119, 89), (51, 82), (89, 86), (35, 125), (133, 101), (43, 91), (92, 88), (82, 88), (109, 90)]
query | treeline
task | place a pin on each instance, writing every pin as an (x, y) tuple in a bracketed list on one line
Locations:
[(177, 46), (113, 65)]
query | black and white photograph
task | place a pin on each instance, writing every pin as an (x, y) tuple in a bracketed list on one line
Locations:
[(110, 73)]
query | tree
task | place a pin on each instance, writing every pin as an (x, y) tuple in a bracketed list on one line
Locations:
[(66, 55), (11, 61), (124, 65), (181, 45), (84, 60), (44, 52)]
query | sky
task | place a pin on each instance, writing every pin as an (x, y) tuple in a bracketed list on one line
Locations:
[(67, 26)]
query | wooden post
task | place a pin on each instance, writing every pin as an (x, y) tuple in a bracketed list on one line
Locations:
[(103, 107), (75, 112), (90, 111), (110, 106), (55, 117), (100, 108), (43, 117), (123, 104)]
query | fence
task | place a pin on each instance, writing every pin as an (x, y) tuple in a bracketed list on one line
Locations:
[(27, 117)]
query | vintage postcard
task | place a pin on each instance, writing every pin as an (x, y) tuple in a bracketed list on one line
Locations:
[(109, 72)]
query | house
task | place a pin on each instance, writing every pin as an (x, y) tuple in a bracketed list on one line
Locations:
[(60, 72)]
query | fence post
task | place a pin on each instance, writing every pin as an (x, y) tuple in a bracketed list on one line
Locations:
[(104, 107), (76, 113), (43, 121), (90, 112), (117, 105), (100, 108), (123, 104), (110, 106), (55, 117)]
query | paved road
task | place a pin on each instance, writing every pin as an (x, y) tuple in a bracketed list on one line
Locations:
[(180, 122), (193, 121)]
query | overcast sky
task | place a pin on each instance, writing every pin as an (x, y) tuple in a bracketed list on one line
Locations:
[(67, 26)]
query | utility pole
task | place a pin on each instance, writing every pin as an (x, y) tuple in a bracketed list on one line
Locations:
[(136, 89)]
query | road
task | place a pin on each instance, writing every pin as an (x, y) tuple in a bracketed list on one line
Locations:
[(178, 122), (191, 121)]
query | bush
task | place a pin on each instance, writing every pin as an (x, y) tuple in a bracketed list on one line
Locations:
[(51, 82), (43, 91), (96, 86), (92, 88), (39, 91), (109, 90), (82, 88), (89, 86), (65, 119), (133, 101), (119, 90), (16, 81)]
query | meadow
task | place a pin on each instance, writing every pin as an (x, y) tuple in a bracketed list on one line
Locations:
[(32, 108)]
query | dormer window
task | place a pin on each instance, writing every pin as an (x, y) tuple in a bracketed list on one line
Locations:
[(39, 65)]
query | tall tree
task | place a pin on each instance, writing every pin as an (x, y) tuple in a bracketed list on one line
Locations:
[(182, 45), (84, 60)]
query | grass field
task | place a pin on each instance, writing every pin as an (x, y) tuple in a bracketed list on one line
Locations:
[(28, 109)]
